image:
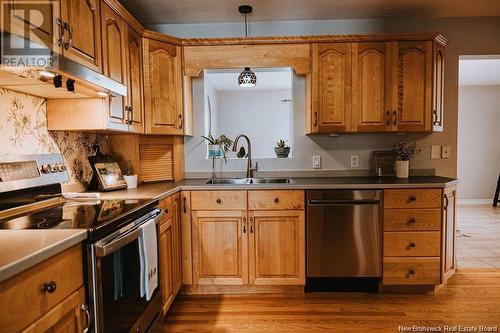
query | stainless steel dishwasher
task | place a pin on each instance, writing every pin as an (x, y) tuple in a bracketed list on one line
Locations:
[(344, 233)]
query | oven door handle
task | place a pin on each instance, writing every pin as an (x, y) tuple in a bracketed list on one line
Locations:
[(122, 240), (342, 202)]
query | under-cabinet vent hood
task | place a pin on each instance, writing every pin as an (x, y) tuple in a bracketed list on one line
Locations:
[(48, 74)]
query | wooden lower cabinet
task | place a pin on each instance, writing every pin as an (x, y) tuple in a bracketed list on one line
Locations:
[(276, 247), (448, 240)]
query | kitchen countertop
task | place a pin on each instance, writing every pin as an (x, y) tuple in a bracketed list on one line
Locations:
[(23, 249), (164, 189)]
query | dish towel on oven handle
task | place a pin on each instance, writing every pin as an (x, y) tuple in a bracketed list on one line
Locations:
[(148, 253)]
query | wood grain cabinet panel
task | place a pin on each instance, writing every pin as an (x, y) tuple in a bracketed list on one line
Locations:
[(449, 245), (83, 41), (135, 82), (372, 86), (163, 88), (412, 244), (331, 90), (412, 198), (276, 247), (438, 88), (414, 86), (276, 200), (166, 262), (219, 200), (412, 219), (411, 271), (220, 252)]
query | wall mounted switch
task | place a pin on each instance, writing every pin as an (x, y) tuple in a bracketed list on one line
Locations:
[(446, 152), (435, 152), (354, 161), (316, 162)]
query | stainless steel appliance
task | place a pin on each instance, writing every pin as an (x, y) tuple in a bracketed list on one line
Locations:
[(344, 233), (30, 198)]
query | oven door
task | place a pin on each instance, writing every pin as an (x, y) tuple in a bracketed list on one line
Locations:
[(118, 305)]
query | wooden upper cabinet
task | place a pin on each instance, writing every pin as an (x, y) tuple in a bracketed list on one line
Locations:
[(412, 91), (331, 89), (220, 254), (114, 42), (135, 82), (163, 88), (371, 84), (82, 32), (438, 87)]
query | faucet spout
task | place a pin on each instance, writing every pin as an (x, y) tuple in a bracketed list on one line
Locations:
[(249, 153)]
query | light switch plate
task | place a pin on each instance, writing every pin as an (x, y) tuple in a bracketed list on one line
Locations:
[(354, 161), (446, 152), (316, 162), (435, 152)]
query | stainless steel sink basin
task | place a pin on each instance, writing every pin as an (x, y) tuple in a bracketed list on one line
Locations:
[(247, 181)]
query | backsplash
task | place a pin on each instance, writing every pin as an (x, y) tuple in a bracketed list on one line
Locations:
[(23, 130)]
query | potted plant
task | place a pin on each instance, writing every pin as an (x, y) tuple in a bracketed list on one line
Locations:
[(218, 147), (130, 178), (282, 150), (403, 152)]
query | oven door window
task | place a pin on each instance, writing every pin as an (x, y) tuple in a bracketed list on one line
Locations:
[(122, 303)]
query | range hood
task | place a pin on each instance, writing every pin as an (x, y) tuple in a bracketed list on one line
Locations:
[(51, 75)]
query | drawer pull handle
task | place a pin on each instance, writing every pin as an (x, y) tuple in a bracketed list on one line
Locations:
[(411, 221), (276, 200), (244, 225), (412, 245), (85, 309), (166, 210), (411, 272), (412, 198), (49, 287), (218, 201)]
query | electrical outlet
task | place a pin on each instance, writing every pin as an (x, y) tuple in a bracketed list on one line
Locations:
[(446, 152), (316, 162), (435, 152), (354, 161)]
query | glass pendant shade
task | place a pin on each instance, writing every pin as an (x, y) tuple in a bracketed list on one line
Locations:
[(247, 78)]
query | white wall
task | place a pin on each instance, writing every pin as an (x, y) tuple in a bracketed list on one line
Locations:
[(210, 92), (478, 141), (261, 115)]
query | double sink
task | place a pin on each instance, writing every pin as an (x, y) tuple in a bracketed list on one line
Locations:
[(247, 181)]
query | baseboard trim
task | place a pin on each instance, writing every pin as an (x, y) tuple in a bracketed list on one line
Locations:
[(475, 201)]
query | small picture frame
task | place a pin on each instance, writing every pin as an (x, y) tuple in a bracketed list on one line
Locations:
[(109, 175)]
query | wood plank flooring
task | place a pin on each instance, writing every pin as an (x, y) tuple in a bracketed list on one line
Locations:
[(469, 298)]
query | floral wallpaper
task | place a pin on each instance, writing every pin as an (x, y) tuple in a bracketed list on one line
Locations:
[(23, 130)]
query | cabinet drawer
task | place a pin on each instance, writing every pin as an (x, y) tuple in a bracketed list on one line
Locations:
[(412, 244), (23, 300), (168, 206), (412, 198), (271, 200), (218, 200), (412, 219), (417, 271)]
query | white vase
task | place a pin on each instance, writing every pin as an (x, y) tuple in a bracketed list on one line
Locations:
[(402, 169), (131, 181)]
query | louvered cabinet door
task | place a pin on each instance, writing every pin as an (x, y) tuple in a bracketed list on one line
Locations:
[(331, 89), (372, 86)]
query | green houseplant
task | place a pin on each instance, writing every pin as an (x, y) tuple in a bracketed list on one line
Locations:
[(218, 147), (403, 152), (128, 175), (282, 150)]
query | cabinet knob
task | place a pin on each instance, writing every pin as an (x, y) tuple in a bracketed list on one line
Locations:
[(412, 198), (49, 287), (412, 245), (411, 272), (276, 200), (166, 210), (218, 201), (412, 221)]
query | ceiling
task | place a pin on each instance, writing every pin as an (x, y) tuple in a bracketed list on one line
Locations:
[(227, 80), (479, 72), (213, 11)]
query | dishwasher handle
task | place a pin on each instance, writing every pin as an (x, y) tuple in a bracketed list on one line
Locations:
[(342, 202)]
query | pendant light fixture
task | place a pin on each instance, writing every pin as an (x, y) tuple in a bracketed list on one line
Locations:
[(247, 78)]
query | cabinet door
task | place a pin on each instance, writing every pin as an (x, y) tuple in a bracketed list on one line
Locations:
[(412, 91), (83, 34), (220, 247), (177, 268), (276, 248), (114, 40), (66, 316), (166, 263), (331, 88), (135, 89), (162, 88), (448, 233), (371, 86), (438, 88)]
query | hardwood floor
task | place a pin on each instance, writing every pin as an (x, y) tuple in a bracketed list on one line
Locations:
[(470, 298), (478, 242)]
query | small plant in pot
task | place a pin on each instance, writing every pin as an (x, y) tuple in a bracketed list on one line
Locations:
[(218, 147), (282, 150), (130, 178), (403, 152)]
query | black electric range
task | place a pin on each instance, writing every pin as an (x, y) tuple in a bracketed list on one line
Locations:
[(99, 217)]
